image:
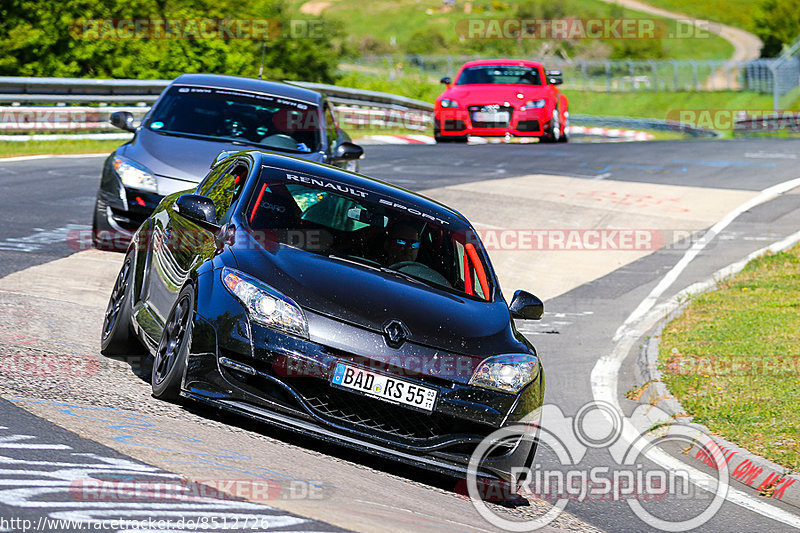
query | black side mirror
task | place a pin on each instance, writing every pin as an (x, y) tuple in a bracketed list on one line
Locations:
[(197, 208), (348, 151), (554, 77), (122, 120), (446, 80), (526, 306)]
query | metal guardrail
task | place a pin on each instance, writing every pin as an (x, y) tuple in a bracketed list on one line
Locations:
[(642, 123), (350, 96), (769, 123), (22, 90)]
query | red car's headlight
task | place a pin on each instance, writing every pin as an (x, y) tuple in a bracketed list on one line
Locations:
[(534, 104)]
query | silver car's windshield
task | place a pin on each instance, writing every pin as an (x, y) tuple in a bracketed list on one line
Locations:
[(260, 120)]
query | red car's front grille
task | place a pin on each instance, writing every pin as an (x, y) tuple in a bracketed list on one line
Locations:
[(490, 108)]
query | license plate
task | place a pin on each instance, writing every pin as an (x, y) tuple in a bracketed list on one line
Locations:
[(383, 387), (486, 116)]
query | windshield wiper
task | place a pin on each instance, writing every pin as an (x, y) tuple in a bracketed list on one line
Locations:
[(375, 266)]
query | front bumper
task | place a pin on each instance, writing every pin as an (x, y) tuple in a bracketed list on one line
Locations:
[(120, 210), (458, 123), (284, 381)]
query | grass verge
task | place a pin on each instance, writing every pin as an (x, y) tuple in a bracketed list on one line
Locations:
[(738, 13), (15, 148), (733, 358), (395, 25)]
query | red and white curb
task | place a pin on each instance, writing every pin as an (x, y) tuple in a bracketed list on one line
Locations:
[(396, 139), (633, 135), (611, 133)]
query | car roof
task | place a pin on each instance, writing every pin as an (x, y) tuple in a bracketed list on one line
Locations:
[(250, 84), (398, 194), (489, 62)]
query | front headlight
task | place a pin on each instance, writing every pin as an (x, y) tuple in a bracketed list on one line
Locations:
[(508, 372), (452, 104), (134, 175), (264, 304), (534, 104)]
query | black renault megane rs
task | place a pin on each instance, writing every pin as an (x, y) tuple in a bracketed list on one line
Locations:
[(332, 304)]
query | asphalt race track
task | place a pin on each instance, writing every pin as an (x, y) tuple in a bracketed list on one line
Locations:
[(69, 413)]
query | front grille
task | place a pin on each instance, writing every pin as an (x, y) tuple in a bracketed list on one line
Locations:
[(454, 125), (528, 125), (490, 109), (363, 412)]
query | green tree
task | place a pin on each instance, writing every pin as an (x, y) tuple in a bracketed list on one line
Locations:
[(777, 23), (57, 38)]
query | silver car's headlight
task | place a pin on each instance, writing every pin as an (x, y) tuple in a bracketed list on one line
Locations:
[(508, 372), (264, 304), (134, 175), (449, 103), (534, 104)]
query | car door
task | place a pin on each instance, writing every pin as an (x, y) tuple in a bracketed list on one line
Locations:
[(180, 244)]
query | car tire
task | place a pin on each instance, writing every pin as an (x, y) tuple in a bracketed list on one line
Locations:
[(553, 133), (169, 362), (447, 138), (116, 337), (564, 129), (96, 241)]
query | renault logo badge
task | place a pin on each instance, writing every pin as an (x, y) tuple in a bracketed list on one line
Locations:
[(396, 333)]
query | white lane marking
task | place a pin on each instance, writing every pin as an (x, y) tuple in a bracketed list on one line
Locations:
[(12, 442), (764, 196), (602, 176), (769, 155), (34, 157), (604, 376), (43, 238)]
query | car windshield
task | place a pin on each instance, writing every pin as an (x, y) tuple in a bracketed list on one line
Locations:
[(260, 120), (500, 74), (349, 224)]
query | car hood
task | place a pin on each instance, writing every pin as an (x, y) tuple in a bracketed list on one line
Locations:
[(370, 299), (183, 158), (467, 95)]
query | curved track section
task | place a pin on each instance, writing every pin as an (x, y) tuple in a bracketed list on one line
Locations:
[(590, 228)]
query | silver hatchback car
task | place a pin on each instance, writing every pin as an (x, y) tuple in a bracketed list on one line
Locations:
[(194, 119)]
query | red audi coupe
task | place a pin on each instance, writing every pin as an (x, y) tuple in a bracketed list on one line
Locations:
[(502, 97)]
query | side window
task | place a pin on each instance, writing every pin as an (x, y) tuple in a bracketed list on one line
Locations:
[(330, 127), (208, 181), (226, 191)]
